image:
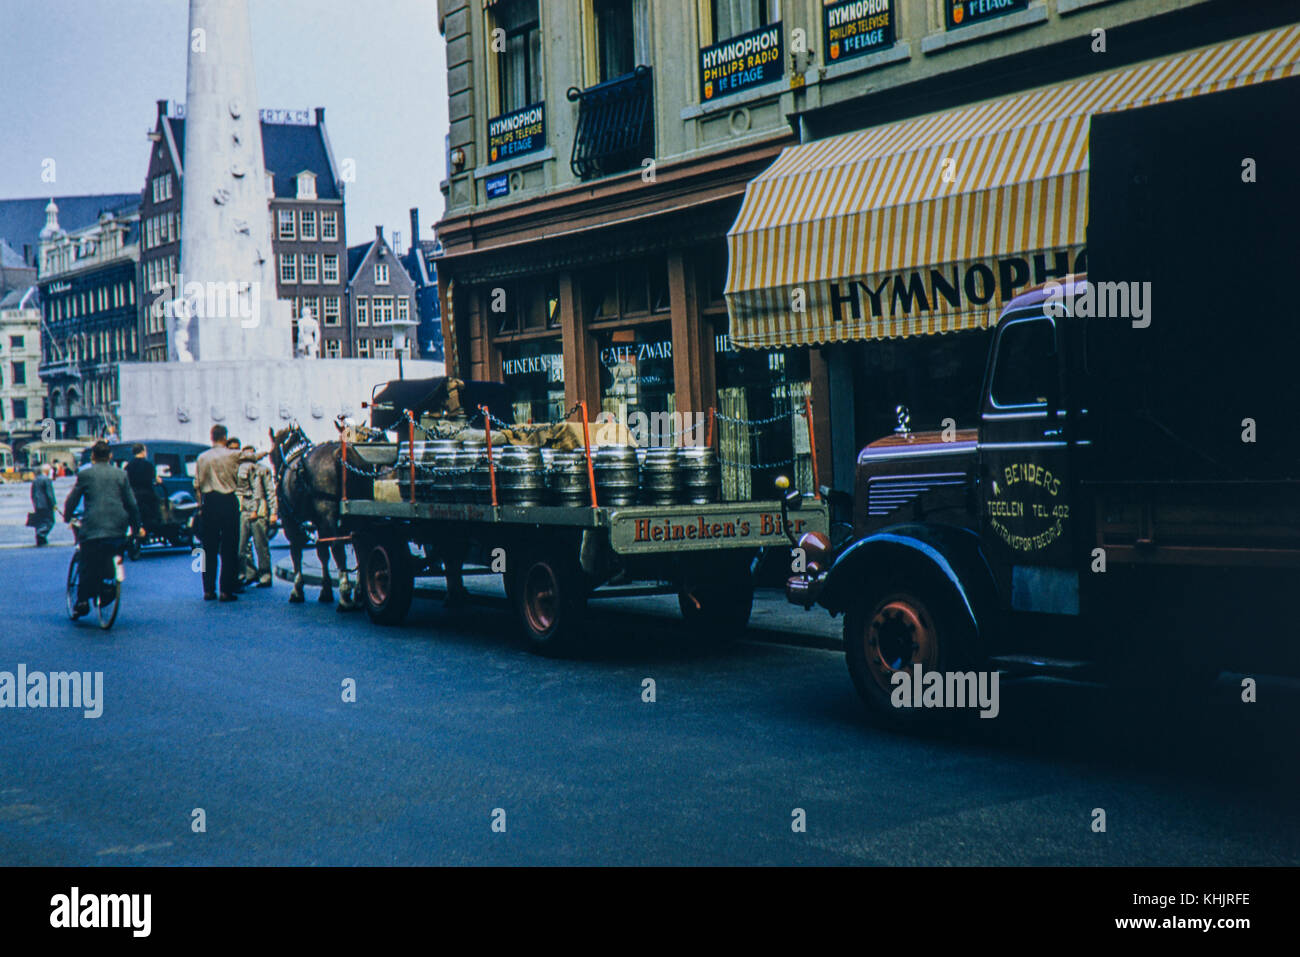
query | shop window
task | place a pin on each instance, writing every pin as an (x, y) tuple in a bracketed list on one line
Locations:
[(519, 64), (534, 371), (935, 377), (637, 288), (524, 307), (636, 370)]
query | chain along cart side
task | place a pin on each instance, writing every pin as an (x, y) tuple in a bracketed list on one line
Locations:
[(557, 547)]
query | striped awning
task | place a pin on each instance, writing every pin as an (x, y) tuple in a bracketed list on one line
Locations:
[(930, 224)]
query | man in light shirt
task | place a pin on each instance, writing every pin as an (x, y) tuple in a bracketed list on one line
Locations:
[(214, 480)]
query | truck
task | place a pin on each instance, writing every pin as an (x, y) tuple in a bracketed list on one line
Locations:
[(553, 558), (1127, 505)]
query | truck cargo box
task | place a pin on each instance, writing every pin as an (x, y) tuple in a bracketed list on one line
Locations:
[(1201, 199)]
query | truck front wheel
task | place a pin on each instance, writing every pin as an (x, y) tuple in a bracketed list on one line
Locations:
[(387, 579), (897, 624)]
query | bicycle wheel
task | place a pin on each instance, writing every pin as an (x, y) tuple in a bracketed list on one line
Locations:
[(74, 576), (110, 598)]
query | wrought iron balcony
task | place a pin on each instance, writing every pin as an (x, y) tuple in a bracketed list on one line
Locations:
[(615, 125), (60, 368)]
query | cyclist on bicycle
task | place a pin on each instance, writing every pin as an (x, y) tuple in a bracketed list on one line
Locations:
[(111, 510)]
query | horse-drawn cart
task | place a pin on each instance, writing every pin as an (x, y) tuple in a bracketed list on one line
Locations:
[(560, 524)]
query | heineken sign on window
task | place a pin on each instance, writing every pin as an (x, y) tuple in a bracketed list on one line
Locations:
[(513, 134), (965, 12), (857, 27), (741, 63)]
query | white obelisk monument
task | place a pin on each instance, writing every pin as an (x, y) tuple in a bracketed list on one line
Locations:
[(230, 341), (228, 291)]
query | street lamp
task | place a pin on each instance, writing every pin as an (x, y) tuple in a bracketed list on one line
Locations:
[(402, 329)]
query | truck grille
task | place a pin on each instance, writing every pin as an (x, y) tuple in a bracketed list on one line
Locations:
[(891, 492)]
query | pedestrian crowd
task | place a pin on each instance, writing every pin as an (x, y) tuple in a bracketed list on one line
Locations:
[(238, 510)]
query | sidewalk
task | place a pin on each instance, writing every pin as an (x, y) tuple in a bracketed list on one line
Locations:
[(773, 618)]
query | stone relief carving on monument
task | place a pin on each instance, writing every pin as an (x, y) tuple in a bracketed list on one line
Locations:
[(285, 414), (251, 411), (316, 411), (308, 335), (182, 313), (182, 413), (221, 196), (218, 413)]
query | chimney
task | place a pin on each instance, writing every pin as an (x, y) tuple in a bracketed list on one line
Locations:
[(320, 115), (162, 110), (415, 227), (397, 241)]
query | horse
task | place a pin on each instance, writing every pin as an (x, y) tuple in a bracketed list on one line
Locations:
[(309, 488)]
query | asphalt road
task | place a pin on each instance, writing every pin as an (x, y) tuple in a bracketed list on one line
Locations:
[(237, 709)]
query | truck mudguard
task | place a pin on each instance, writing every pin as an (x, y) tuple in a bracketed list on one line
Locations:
[(953, 553)]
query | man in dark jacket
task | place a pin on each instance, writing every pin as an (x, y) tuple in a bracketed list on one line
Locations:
[(43, 505), (143, 476), (110, 512)]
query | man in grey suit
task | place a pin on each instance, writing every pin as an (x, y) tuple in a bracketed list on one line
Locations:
[(43, 505), (111, 510)]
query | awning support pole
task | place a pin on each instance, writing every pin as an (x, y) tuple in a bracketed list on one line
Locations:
[(812, 448)]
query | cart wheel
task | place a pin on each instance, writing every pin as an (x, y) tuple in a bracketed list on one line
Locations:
[(716, 606), (550, 598), (898, 623), (387, 580)]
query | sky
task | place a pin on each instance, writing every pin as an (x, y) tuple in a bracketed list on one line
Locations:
[(81, 78)]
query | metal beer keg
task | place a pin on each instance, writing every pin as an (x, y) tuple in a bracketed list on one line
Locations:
[(661, 477), (460, 465), (569, 478), (472, 471), (617, 472), (701, 476), (520, 480), (437, 471)]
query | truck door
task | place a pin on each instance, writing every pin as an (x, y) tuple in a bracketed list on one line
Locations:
[(1025, 489)]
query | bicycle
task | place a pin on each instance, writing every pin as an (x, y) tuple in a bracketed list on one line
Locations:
[(109, 599)]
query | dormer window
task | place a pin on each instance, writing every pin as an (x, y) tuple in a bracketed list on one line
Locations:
[(306, 185)]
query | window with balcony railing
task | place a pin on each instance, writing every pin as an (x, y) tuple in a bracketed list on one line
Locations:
[(615, 130)]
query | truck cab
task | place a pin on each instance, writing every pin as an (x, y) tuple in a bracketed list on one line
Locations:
[(1024, 543)]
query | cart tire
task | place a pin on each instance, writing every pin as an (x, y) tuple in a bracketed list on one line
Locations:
[(387, 579), (716, 608), (550, 601), (900, 621)]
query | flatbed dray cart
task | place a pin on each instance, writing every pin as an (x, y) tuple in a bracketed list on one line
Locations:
[(556, 557)]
